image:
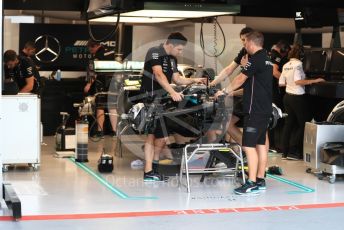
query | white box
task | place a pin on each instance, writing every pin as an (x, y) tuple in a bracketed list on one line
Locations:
[(21, 129)]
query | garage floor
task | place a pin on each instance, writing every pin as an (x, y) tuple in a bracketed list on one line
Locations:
[(64, 195)]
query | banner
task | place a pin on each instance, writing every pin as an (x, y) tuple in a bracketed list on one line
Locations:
[(64, 46)]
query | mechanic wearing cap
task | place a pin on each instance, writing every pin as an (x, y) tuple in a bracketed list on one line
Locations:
[(20, 71), (256, 79), (160, 69), (99, 83)]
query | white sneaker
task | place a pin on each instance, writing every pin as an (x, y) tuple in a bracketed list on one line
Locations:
[(137, 164)]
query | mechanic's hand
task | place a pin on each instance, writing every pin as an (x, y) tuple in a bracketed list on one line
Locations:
[(200, 80), (244, 60), (87, 88), (218, 94), (318, 80), (177, 96), (231, 94)]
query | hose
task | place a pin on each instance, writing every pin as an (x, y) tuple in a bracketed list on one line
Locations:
[(108, 36), (216, 23)]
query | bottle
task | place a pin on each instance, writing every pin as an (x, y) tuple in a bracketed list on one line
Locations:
[(81, 131), (199, 71), (58, 75)]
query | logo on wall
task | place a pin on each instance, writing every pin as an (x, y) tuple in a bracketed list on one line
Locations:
[(298, 16), (109, 43), (48, 48), (79, 49)]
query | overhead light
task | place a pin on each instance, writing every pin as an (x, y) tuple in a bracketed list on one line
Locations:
[(107, 66), (173, 13), (166, 9), (135, 19), (21, 19), (183, 10), (113, 66), (137, 65)]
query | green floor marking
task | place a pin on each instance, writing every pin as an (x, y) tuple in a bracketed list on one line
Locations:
[(292, 183), (109, 186)]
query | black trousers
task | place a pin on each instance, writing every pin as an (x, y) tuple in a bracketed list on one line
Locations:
[(296, 106), (276, 134)]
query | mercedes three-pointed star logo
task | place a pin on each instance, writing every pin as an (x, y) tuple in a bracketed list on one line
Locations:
[(48, 47)]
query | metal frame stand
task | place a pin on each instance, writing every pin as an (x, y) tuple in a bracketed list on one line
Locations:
[(120, 131), (191, 150)]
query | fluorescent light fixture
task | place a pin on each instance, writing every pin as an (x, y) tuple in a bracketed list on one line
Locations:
[(108, 66), (167, 9), (114, 66), (134, 19), (173, 13), (135, 65), (183, 10), (21, 19)]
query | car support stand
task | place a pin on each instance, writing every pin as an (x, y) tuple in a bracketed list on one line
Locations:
[(12, 201)]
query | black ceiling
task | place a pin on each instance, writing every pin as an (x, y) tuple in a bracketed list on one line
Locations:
[(290, 3), (283, 9), (49, 5), (262, 8)]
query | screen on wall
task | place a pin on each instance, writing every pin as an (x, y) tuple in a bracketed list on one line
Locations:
[(65, 46), (337, 61), (315, 61)]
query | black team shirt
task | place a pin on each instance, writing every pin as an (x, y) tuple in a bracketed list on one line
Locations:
[(257, 99), (102, 81), (32, 63), (237, 60), (21, 72), (277, 59), (157, 56)]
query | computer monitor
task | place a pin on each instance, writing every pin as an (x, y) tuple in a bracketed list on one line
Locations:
[(315, 61), (337, 61)]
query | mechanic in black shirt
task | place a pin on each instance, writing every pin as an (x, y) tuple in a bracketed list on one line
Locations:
[(233, 130), (160, 69), (279, 57), (256, 78), (19, 70), (98, 83), (29, 52)]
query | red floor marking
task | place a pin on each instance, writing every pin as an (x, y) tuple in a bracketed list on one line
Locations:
[(174, 212)]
